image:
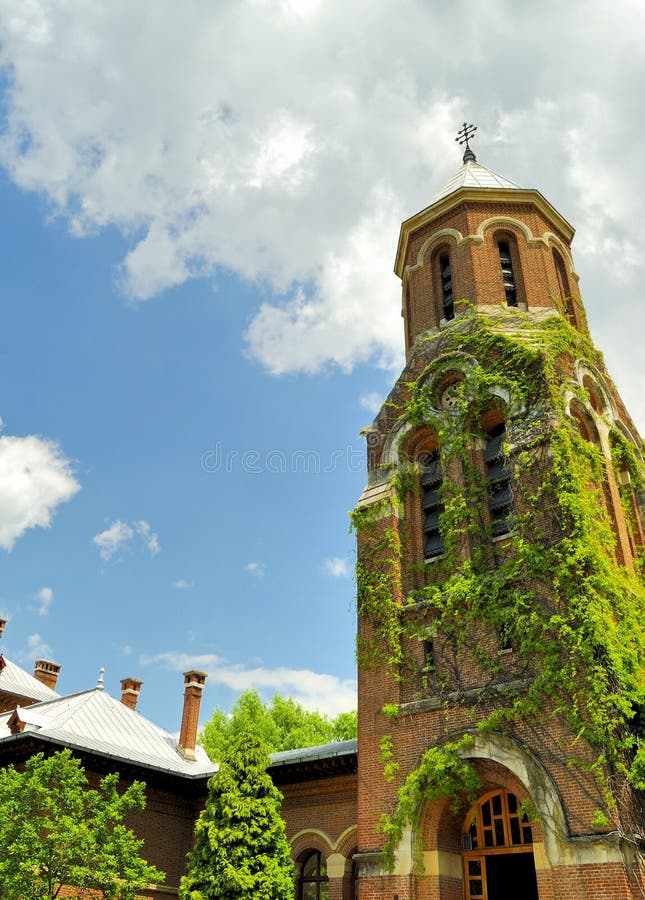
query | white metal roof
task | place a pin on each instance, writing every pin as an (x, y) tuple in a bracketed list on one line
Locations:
[(94, 721), (322, 751), (473, 174), (14, 680)]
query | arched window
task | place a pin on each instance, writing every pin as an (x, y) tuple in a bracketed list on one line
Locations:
[(509, 261), (497, 821), (442, 284), (431, 478), (565, 290), (314, 884), (447, 298), (588, 430), (498, 478), (508, 275), (595, 395), (498, 850)]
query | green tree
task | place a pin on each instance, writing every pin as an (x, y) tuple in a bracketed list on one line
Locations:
[(282, 725), (55, 831), (241, 851)]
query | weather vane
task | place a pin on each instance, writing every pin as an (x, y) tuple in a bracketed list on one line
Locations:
[(465, 134)]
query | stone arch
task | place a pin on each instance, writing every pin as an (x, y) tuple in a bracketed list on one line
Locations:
[(502, 761), (555, 243), (529, 771), (347, 841), (431, 243), (508, 223), (390, 454), (619, 425), (310, 839), (585, 421), (586, 375)]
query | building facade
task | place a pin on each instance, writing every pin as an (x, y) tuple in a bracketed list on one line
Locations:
[(500, 588)]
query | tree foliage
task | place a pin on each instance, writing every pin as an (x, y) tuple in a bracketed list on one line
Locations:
[(282, 725), (55, 831), (241, 851)]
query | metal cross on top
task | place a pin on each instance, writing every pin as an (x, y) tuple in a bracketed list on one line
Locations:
[(465, 134)]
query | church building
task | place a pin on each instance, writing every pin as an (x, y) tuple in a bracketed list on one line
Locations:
[(500, 587)]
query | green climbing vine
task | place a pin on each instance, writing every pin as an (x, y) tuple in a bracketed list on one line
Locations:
[(553, 589)]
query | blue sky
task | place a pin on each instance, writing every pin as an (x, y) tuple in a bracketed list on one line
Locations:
[(199, 218)]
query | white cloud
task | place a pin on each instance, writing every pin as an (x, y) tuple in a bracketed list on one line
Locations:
[(161, 121), (119, 534), (150, 539), (256, 569), (127, 649), (336, 567), (36, 649), (113, 539), (45, 596), (371, 401), (35, 478), (315, 691), (183, 585)]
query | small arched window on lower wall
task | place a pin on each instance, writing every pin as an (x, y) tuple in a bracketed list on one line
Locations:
[(498, 480), (314, 883)]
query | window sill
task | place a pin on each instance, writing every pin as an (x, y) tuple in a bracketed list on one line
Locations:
[(498, 538), (429, 560)]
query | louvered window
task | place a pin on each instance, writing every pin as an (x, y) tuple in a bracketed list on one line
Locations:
[(446, 287), (498, 476), (432, 505), (508, 276)]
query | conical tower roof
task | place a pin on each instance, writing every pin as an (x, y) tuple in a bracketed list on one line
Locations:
[(473, 175)]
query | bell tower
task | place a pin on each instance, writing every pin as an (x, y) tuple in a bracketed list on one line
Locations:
[(500, 581)]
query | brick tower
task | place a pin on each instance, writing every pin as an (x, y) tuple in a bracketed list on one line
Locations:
[(500, 583)]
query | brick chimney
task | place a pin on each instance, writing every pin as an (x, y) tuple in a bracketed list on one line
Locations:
[(47, 672), (3, 625), (193, 686), (130, 690)]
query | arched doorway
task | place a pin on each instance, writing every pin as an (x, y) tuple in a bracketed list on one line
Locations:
[(498, 850)]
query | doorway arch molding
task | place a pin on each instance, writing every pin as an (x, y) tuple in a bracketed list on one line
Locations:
[(558, 847)]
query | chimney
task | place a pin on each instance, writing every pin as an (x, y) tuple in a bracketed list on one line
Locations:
[(3, 625), (130, 690), (193, 686), (47, 672)]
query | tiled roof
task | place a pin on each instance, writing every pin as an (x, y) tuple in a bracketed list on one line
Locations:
[(14, 680), (473, 175), (94, 721)]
